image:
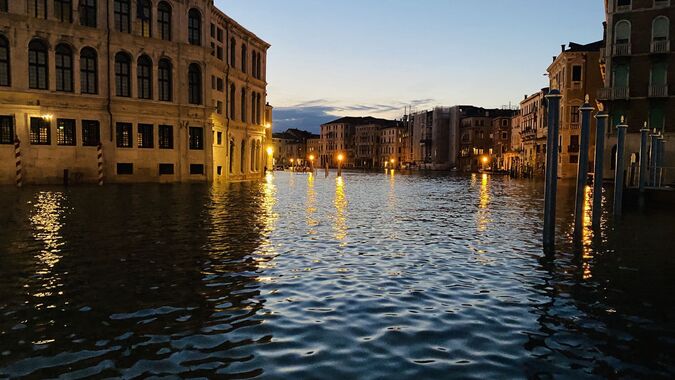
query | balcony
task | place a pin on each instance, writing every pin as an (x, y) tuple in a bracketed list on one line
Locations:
[(613, 93), (621, 50), (660, 47), (574, 125), (660, 91)]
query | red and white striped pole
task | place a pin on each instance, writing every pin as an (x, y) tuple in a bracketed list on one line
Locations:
[(99, 155), (17, 156)]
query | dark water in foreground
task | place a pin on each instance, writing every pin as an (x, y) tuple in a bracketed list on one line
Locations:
[(373, 277)]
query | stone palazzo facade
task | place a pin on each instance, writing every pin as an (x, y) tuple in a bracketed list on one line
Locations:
[(171, 91)]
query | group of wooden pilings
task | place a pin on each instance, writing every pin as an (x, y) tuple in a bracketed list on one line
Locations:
[(19, 166), (551, 175)]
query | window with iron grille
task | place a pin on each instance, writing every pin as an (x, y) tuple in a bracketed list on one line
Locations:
[(63, 10), (164, 20), (122, 75), (196, 138), (164, 80), (145, 136), (165, 137), (194, 27), (37, 65), (65, 132), (6, 130), (122, 16), (165, 169), (88, 71), (197, 169), (144, 71), (64, 68), (39, 131), (5, 77), (91, 133), (124, 135), (88, 11), (125, 168), (574, 114)]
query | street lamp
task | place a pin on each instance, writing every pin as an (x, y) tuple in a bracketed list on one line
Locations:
[(340, 158), (311, 162)]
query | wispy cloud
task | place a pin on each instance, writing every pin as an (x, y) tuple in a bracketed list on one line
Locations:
[(309, 115)]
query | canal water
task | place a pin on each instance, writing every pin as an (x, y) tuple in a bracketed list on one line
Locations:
[(373, 276)]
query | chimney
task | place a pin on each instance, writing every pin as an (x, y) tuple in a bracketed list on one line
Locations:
[(525, 98), (562, 48)]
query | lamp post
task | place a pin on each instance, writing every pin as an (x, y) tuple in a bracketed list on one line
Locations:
[(340, 158), (292, 167), (311, 163), (270, 152), (485, 161)]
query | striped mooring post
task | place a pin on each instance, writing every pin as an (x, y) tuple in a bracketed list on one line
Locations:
[(17, 156), (99, 156)]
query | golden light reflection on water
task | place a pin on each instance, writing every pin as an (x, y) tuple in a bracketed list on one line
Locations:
[(46, 220), (310, 207), (340, 223), (587, 233), (483, 214)]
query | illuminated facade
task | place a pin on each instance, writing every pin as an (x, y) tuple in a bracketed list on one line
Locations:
[(173, 91)]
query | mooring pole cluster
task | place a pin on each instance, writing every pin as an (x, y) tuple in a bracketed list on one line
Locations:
[(601, 122), (551, 185)]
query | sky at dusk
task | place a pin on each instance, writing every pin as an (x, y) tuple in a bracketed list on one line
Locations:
[(374, 57)]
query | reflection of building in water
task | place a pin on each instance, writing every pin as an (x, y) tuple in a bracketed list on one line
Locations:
[(340, 222)]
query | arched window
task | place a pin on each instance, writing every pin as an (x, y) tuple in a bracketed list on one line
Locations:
[(253, 107), (64, 68), (243, 105), (194, 84), (38, 73), (5, 74), (233, 107), (660, 28), (243, 58), (254, 62), (259, 108), (231, 155), (144, 76), (88, 71), (253, 160), (165, 87), (122, 10), (88, 10), (233, 52), (144, 14), (243, 157), (63, 10), (122, 75), (164, 20), (194, 27), (622, 32), (259, 66)]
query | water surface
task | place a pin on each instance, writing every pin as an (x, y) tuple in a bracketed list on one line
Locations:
[(372, 276)]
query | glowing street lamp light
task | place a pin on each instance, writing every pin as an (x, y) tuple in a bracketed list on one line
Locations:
[(340, 158), (270, 150), (485, 160)]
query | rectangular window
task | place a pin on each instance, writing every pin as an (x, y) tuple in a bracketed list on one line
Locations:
[(165, 169), (65, 132), (219, 52), (6, 130), (125, 169), (219, 84), (91, 133), (576, 73), (3, 5), (123, 16), (5, 79), (219, 138), (220, 170), (213, 30), (196, 138), (88, 13), (39, 131), (124, 135), (145, 136), (213, 82), (63, 10), (197, 169), (38, 8), (219, 35), (165, 137), (219, 107), (143, 13), (574, 114), (574, 159)]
